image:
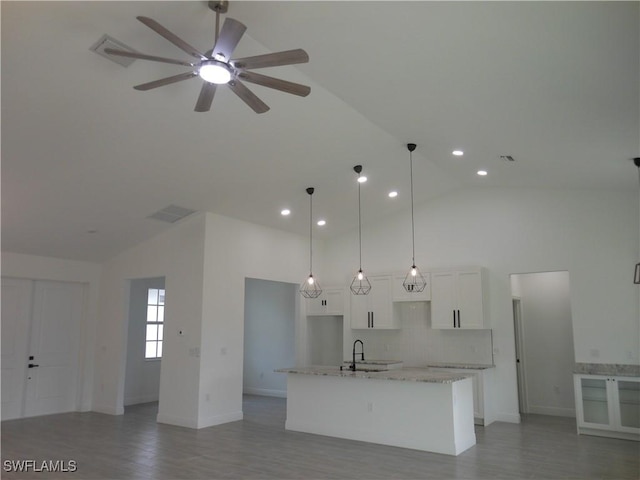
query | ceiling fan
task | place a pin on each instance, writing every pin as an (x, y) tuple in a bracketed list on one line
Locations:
[(216, 67)]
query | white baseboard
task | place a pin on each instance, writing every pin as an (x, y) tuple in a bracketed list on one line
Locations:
[(265, 392), (507, 417), (141, 399), (199, 423), (178, 421), (555, 411), (108, 409), (220, 419)]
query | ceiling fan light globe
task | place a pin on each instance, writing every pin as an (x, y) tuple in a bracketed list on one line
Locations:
[(215, 72)]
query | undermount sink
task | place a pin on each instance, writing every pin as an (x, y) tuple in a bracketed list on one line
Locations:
[(345, 368)]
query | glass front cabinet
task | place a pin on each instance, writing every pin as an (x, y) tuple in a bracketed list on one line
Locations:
[(608, 406)]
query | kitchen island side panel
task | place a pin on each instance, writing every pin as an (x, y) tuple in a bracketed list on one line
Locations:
[(434, 417)]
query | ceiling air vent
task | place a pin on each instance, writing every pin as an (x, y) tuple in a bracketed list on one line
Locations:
[(109, 42), (171, 214), (507, 158)]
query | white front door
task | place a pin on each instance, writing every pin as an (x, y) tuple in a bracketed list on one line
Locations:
[(16, 318), (40, 345)]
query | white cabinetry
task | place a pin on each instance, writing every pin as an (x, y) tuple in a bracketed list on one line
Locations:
[(330, 302), (401, 295), (608, 406), (457, 299), (375, 309)]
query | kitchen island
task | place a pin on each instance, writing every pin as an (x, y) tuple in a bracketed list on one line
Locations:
[(406, 407)]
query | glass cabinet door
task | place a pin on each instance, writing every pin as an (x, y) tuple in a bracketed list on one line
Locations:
[(629, 402), (595, 406)]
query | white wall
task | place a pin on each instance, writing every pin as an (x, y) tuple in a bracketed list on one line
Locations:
[(43, 268), (142, 377), (591, 234), (269, 335), (548, 356), (325, 340)]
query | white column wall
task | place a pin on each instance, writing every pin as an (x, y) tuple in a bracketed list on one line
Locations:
[(592, 234), (176, 254), (235, 250)]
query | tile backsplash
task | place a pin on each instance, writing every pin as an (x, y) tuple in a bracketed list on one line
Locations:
[(417, 344)]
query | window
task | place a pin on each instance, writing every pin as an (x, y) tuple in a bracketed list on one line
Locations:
[(155, 322)]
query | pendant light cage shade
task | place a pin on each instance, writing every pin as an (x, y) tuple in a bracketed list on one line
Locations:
[(414, 282), (360, 284), (310, 288)]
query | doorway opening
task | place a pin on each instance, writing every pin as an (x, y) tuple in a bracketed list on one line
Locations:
[(269, 335), (144, 341), (543, 330)]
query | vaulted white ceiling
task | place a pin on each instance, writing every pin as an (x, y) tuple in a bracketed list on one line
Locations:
[(554, 84)]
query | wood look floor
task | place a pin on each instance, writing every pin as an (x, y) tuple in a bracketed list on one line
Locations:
[(135, 446)]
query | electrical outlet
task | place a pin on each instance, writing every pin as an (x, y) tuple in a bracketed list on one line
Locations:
[(595, 353)]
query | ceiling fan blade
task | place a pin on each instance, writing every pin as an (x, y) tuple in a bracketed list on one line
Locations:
[(248, 96), (206, 97), (142, 56), (282, 85), (166, 81), (287, 57), (230, 35), (177, 41)]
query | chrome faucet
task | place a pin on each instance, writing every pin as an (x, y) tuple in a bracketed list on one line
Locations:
[(352, 367)]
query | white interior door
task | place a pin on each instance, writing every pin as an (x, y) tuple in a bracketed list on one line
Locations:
[(52, 366), (16, 318)]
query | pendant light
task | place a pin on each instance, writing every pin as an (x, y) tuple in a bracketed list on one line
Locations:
[(310, 288), (360, 284), (414, 282), (636, 274)]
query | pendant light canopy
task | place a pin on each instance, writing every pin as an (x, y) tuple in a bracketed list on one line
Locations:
[(360, 284), (310, 288), (636, 274), (414, 281)]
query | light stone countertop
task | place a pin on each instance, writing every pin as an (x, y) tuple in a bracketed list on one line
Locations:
[(469, 366), (617, 369), (407, 374)]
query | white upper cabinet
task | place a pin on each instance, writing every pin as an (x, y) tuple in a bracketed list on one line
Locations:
[(375, 310), (401, 295), (457, 299), (330, 302)]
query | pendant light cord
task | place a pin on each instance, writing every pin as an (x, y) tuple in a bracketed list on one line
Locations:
[(413, 234), (310, 234), (359, 226)]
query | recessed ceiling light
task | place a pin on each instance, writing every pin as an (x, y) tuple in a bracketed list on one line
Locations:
[(482, 173), (322, 223), (362, 179), (457, 153), (285, 212), (393, 194)]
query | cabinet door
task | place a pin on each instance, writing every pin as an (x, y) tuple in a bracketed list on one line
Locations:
[(593, 406), (334, 302), (470, 302), (380, 303), (443, 300), (315, 306), (401, 295), (626, 396), (360, 313)]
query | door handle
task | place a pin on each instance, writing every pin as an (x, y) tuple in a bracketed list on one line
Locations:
[(454, 319), (33, 365), (458, 318), (371, 319)]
